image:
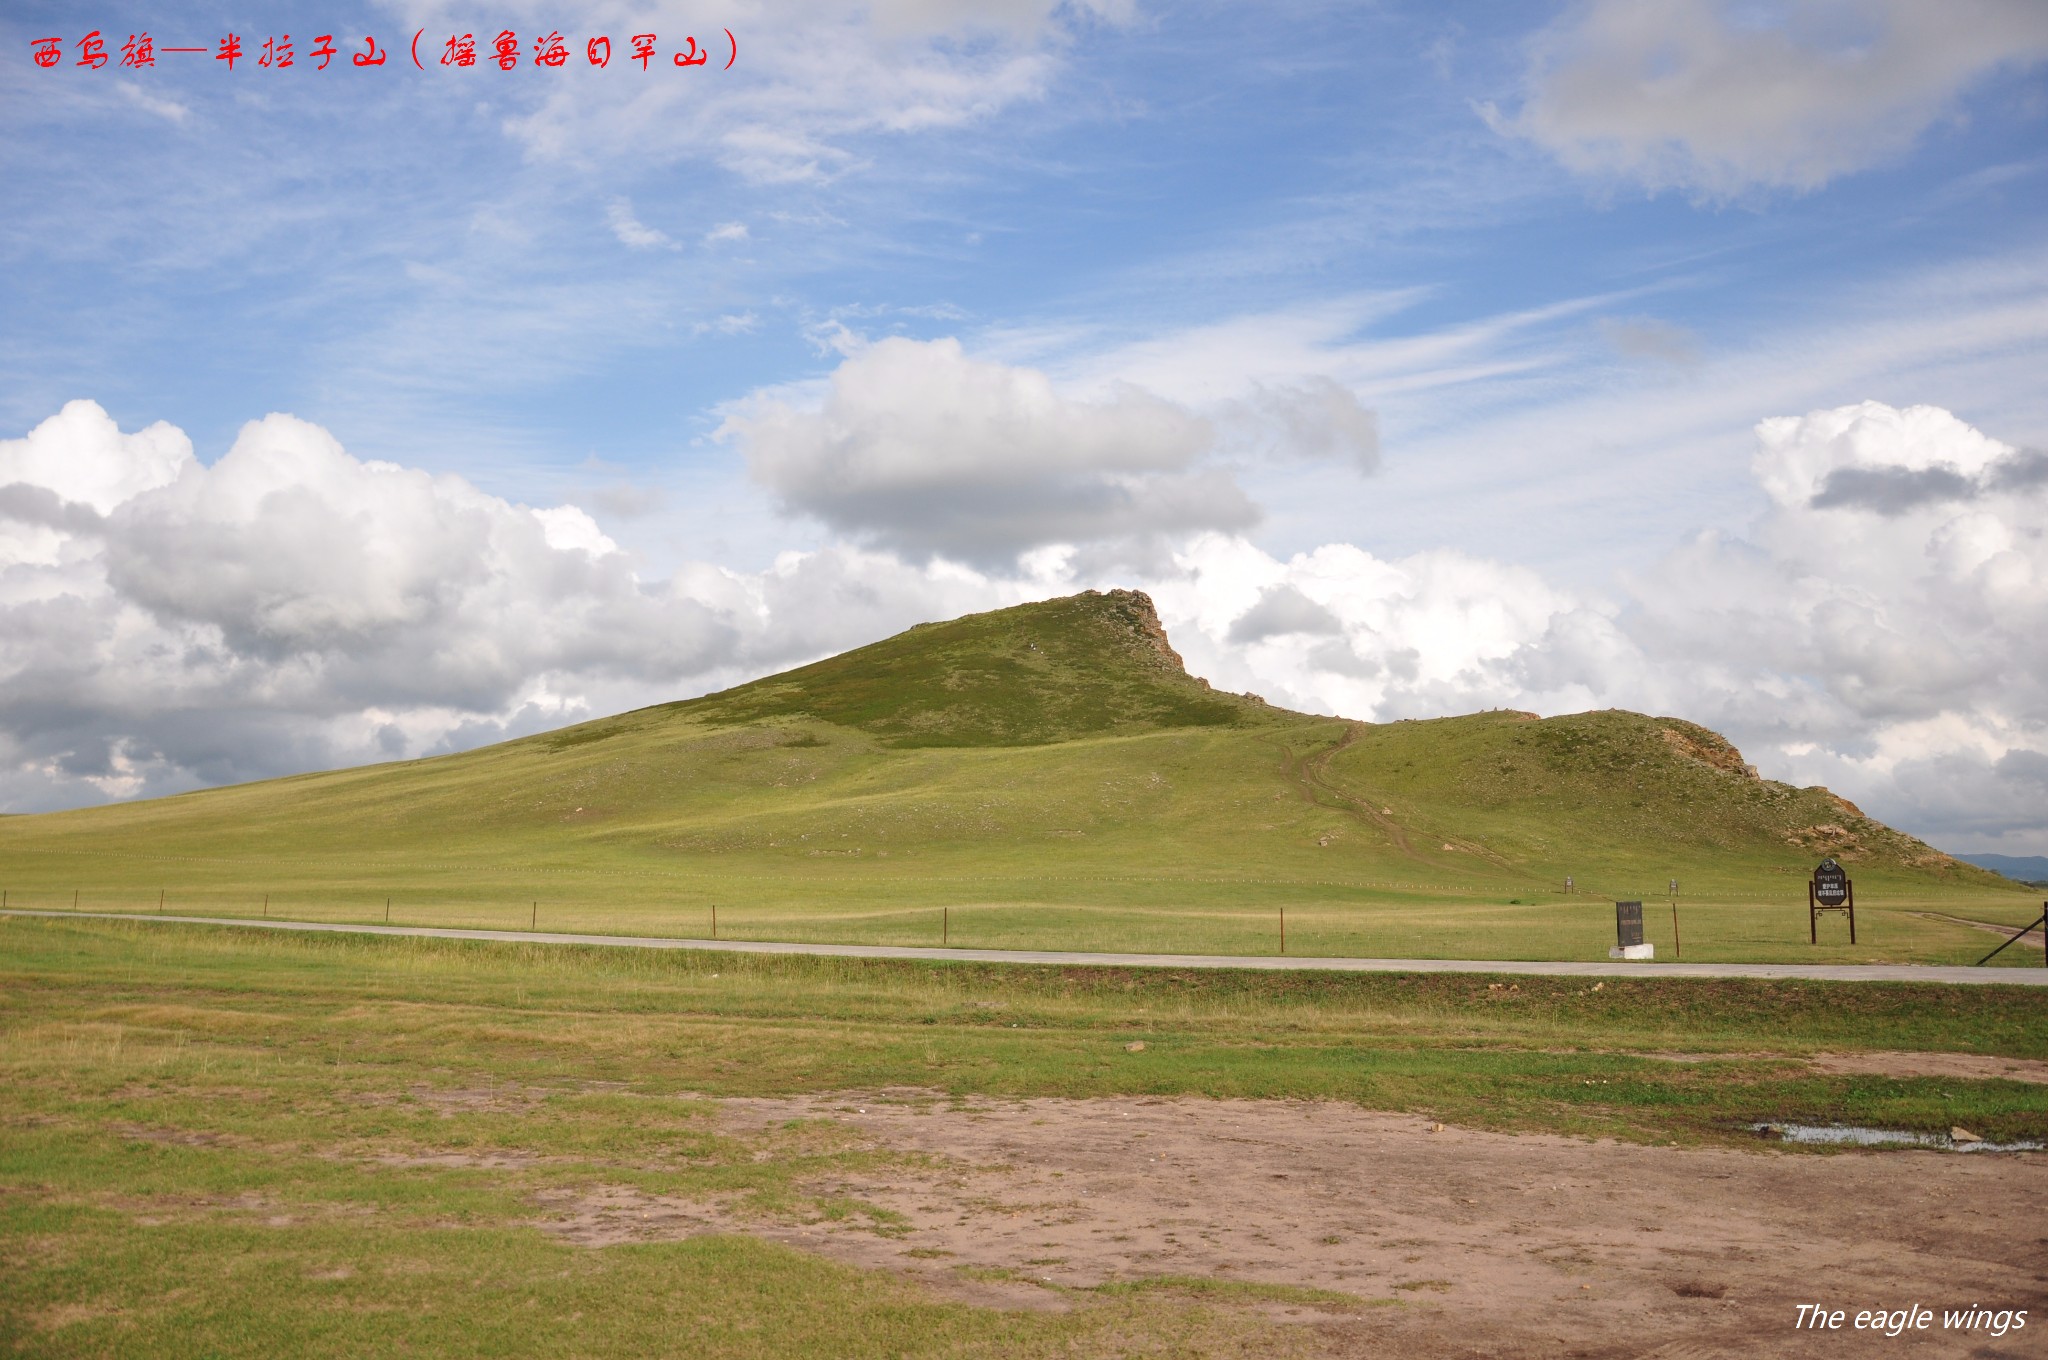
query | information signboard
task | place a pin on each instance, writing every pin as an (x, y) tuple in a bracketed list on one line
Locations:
[(1628, 924), (1829, 890)]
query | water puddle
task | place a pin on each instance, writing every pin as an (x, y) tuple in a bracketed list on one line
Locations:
[(1851, 1135)]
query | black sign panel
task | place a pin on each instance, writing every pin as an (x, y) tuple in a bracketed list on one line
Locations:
[(1830, 884), (1628, 924)]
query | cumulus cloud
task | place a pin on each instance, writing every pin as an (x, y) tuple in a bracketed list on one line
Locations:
[(1282, 610), (165, 621), (1341, 630), (917, 447), (1719, 97), (1882, 625)]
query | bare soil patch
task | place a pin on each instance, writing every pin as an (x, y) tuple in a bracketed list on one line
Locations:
[(143, 1133), (1964, 1066), (1452, 1241)]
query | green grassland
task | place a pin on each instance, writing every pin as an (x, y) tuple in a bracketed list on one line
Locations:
[(1049, 777), (225, 1143)]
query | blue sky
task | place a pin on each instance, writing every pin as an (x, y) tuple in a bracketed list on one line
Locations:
[(1455, 324)]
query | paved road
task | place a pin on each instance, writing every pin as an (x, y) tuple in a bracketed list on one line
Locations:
[(1820, 972)]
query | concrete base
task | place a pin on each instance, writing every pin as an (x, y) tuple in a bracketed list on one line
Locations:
[(1634, 951)]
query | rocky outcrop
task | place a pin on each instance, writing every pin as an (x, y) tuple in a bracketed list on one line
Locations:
[(1136, 608), (1708, 748)]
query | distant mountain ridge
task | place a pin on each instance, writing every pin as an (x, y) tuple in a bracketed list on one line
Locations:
[(2023, 868)]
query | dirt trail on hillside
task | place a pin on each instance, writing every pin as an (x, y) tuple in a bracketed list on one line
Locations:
[(1485, 1244), (1309, 772)]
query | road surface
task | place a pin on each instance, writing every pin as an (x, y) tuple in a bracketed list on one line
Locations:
[(1812, 972)]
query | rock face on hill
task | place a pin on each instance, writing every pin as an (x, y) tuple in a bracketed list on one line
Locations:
[(1091, 664)]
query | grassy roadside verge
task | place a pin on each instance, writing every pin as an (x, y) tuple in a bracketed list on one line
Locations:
[(226, 1143)]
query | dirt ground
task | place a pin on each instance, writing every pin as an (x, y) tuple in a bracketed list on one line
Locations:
[(1453, 1242)]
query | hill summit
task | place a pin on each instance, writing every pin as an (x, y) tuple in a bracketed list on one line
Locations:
[(1093, 664), (1054, 760)]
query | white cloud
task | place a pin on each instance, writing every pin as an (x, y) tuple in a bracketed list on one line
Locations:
[(170, 110), (1721, 97), (162, 621), (80, 455), (1339, 630), (1894, 627), (809, 79), (916, 447), (566, 528), (726, 231), (630, 230)]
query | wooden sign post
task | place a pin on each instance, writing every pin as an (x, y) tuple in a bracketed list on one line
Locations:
[(1830, 890)]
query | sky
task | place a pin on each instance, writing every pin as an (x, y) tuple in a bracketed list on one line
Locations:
[(1682, 356)]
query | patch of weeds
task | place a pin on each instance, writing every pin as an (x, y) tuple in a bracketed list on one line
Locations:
[(1244, 1291), (882, 1222)]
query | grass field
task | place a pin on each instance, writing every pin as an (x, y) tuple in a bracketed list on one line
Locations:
[(217, 1143)]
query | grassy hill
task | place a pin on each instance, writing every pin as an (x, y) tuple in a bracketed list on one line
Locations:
[(1052, 776)]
